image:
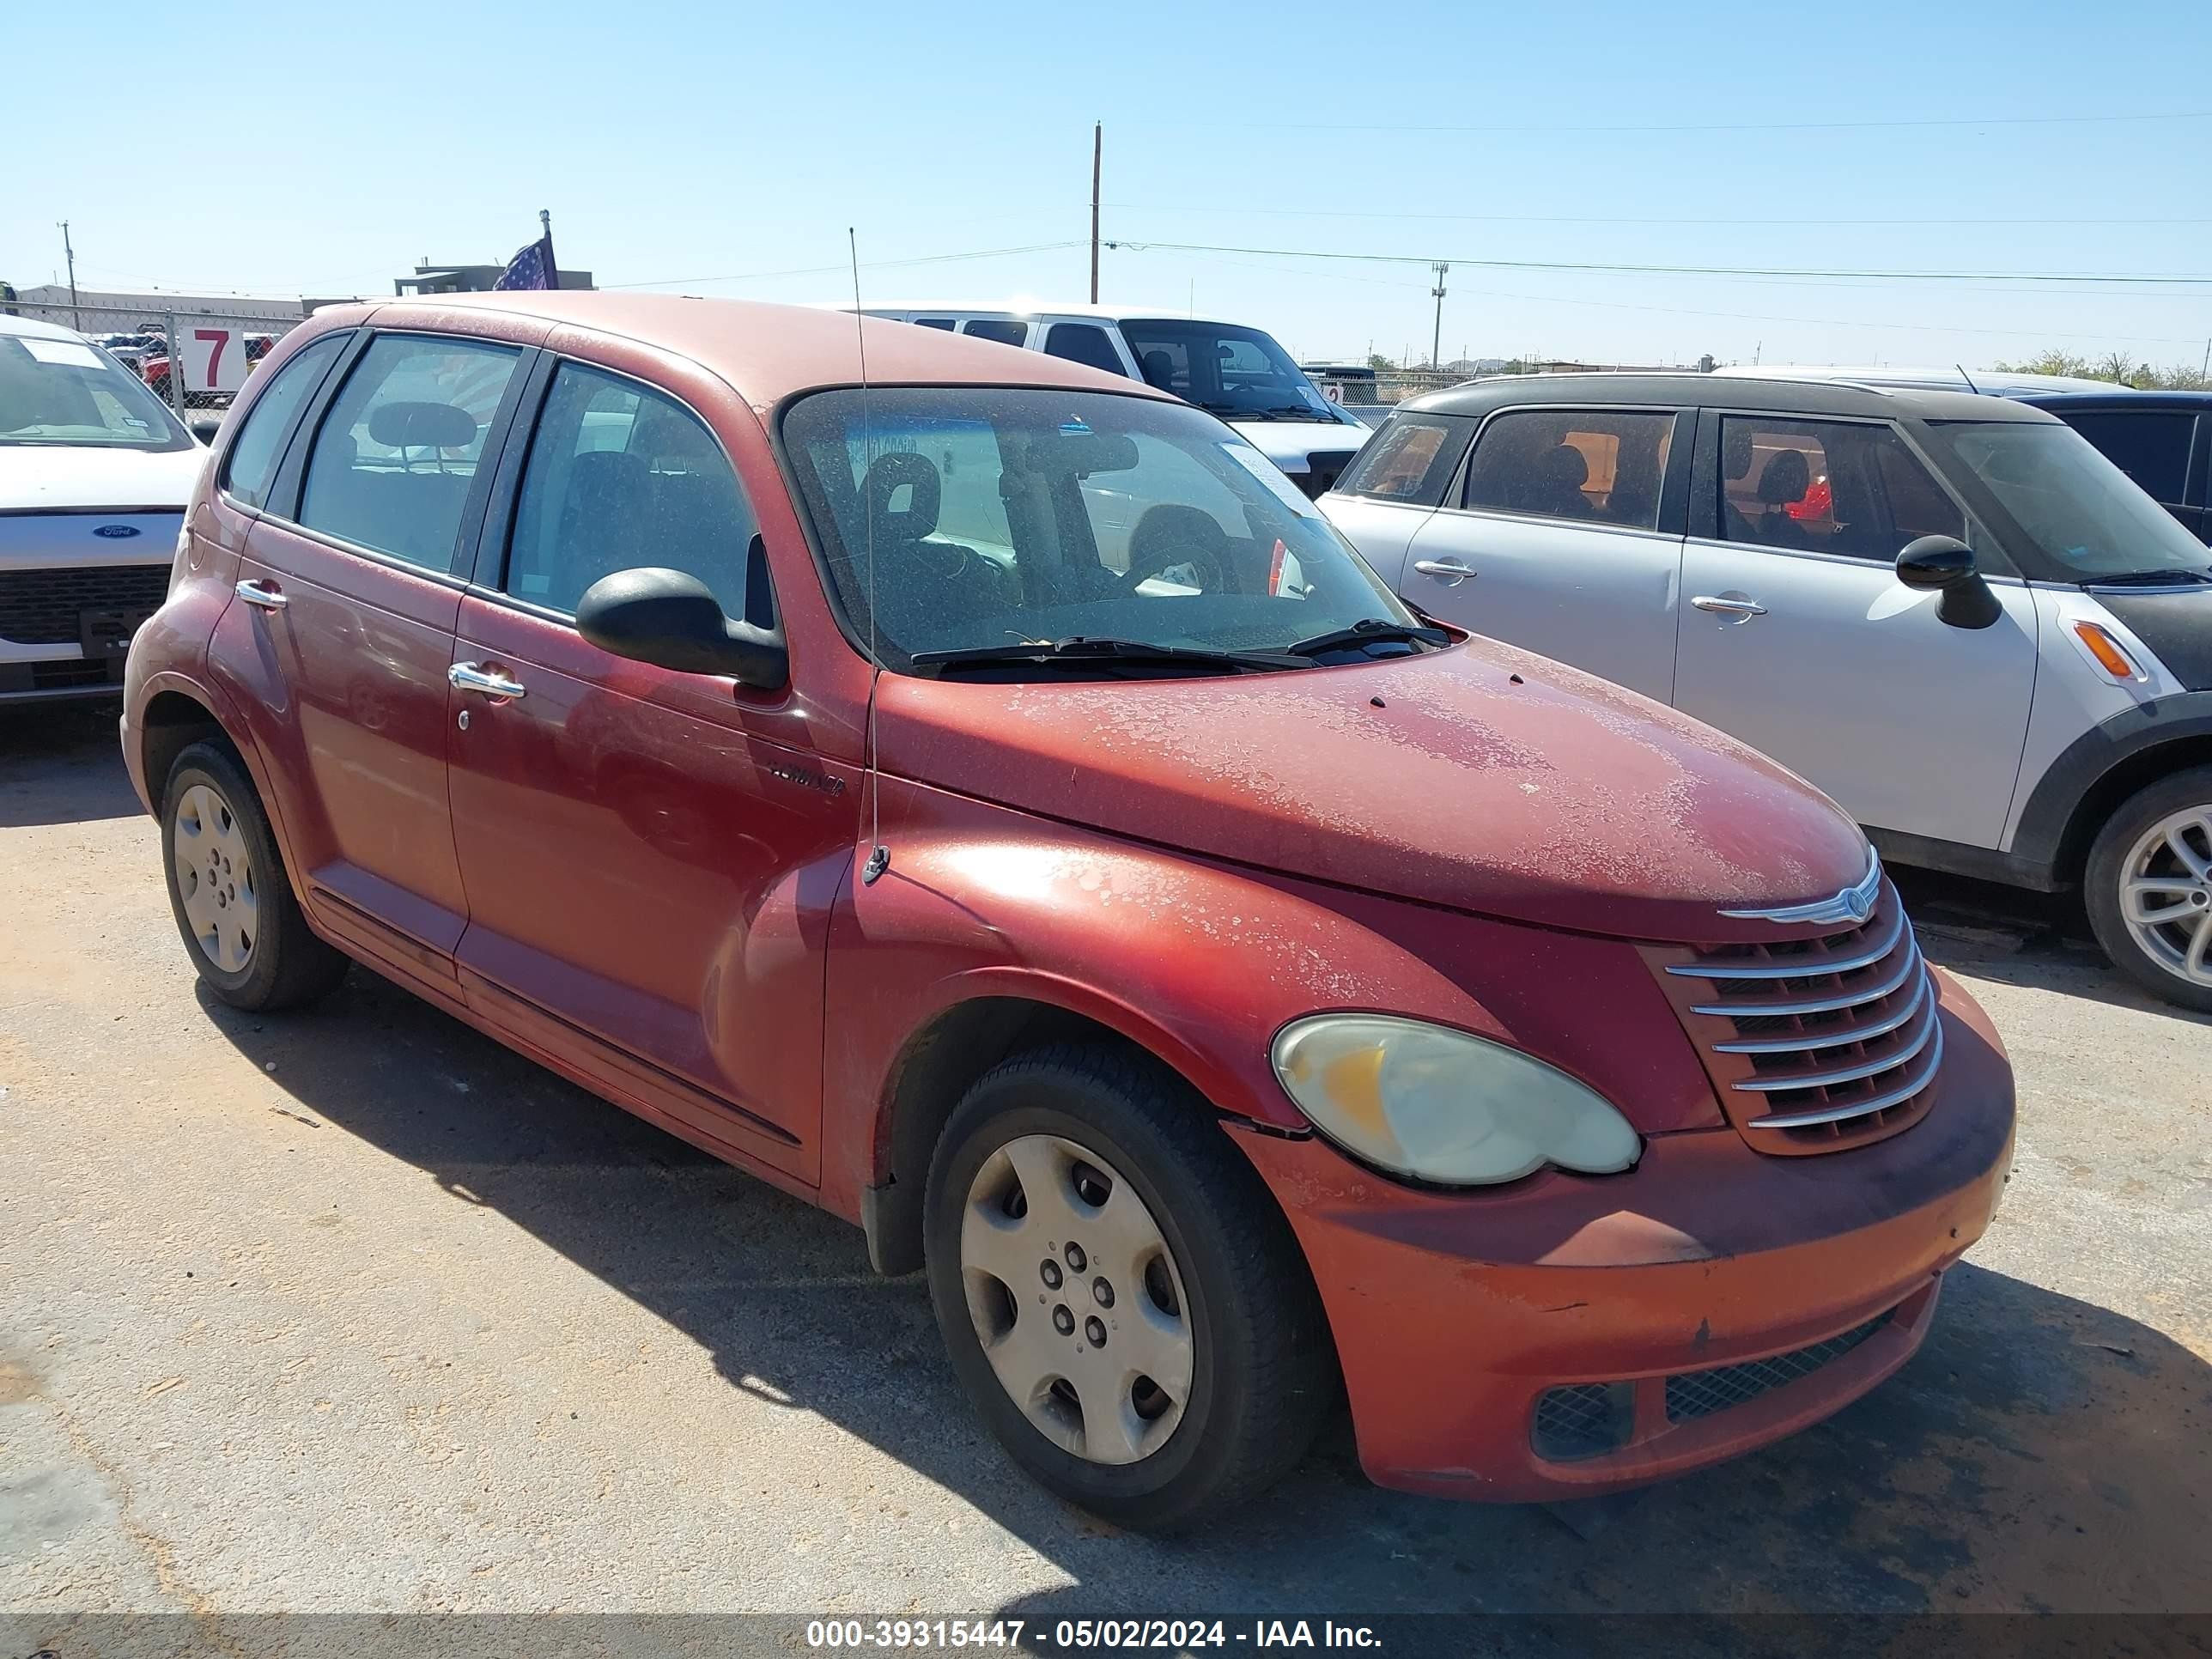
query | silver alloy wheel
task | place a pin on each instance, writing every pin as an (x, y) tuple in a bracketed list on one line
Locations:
[(214, 877), (1076, 1299), (2165, 893)]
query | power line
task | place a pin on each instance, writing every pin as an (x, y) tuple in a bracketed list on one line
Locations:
[(1217, 210), (869, 265), (2155, 280), (1579, 128)]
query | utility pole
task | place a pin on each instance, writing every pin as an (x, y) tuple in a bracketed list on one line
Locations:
[(1437, 339), (1097, 155), (76, 317)]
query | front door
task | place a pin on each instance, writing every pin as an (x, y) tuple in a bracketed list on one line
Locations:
[(1796, 636), (649, 856), (1561, 541), (352, 599)]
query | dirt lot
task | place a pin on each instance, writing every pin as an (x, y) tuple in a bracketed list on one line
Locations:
[(353, 1310)]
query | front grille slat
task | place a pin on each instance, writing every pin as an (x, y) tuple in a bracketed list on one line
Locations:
[(1888, 1061), (1797, 967), (45, 606), (1931, 1062), (1814, 1043)]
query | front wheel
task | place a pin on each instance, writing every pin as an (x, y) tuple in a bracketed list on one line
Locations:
[(1119, 1293), (2149, 888)]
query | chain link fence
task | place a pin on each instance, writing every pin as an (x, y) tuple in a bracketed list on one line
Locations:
[(195, 356)]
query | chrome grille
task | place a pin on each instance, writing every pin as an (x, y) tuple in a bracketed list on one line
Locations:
[(1692, 1395), (1815, 1042)]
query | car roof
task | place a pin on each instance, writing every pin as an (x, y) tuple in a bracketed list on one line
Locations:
[(2112, 398), (1949, 377), (1029, 305), (1808, 398), (767, 352), (36, 330)]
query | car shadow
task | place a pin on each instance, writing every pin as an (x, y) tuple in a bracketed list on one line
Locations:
[(2039, 940), (60, 763), (2040, 1452)]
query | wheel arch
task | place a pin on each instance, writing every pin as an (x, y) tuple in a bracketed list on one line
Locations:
[(171, 722), (944, 1056), (2101, 769)]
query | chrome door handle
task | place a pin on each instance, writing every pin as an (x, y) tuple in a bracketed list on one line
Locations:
[(475, 677), (1736, 608), (254, 591), (1450, 572)]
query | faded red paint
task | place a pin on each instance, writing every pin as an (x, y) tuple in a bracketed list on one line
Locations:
[(650, 882)]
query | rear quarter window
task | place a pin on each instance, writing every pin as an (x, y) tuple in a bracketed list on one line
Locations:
[(1410, 460)]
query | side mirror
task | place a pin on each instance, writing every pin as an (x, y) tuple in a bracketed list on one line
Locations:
[(672, 620), (205, 428), (1945, 564)]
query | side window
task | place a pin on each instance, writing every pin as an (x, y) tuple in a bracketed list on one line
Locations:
[(251, 467), (1603, 466), (1082, 342), (1828, 486), (2152, 449), (1006, 331), (392, 465), (945, 323), (1410, 459), (621, 476)]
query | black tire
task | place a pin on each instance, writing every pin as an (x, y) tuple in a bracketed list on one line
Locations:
[(1264, 1374), (288, 965), (2106, 874)]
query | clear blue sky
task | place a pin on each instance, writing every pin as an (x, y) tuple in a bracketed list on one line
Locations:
[(302, 149)]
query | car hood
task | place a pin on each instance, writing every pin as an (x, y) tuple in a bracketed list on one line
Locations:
[(1479, 777), (71, 477), (1289, 444)]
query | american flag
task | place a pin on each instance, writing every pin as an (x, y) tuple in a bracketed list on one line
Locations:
[(531, 267)]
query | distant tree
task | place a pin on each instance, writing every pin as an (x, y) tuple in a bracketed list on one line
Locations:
[(1376, 360), (2115, 366)]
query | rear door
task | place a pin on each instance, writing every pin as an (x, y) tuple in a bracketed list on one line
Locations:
[(1566, 536), (347, 595), (1796, 636), (647, 854)]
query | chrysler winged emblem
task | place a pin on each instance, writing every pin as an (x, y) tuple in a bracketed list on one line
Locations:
[(1854, 904)]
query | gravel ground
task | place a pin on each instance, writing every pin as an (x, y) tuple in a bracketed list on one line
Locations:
[(352, 1310)]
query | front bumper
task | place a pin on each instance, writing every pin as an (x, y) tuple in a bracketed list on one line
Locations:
[(1455, 1314)]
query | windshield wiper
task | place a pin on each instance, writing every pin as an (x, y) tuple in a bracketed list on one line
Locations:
[(2148, 578), (1078, 650), (1369, 630)]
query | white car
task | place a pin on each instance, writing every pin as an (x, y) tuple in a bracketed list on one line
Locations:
[(1231, 370), (95, 473)]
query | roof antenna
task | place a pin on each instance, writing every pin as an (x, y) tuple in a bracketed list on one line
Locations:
[(879, 856), (1967, 378)]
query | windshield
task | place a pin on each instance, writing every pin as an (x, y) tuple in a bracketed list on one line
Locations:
[(2087, 518), (67, 392), (1238, 374), (999, 517)]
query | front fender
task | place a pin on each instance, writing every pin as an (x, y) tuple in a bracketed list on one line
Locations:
[(1199, 963)]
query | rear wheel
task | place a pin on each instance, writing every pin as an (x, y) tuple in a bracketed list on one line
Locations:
[(2149, 888), (1118, 1292), (234, 905)]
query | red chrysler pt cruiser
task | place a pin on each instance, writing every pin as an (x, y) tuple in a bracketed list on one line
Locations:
[(981, 795)]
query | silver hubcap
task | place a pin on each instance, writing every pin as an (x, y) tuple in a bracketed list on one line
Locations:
[(1076, 1299), (2166, 894), (214, 879)]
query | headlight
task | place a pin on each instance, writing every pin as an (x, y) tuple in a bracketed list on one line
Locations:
[(1439, 1105)]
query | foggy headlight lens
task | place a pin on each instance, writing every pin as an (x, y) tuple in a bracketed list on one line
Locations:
[(1439, 1105)]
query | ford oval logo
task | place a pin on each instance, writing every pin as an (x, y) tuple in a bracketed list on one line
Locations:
[(115, 533)]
